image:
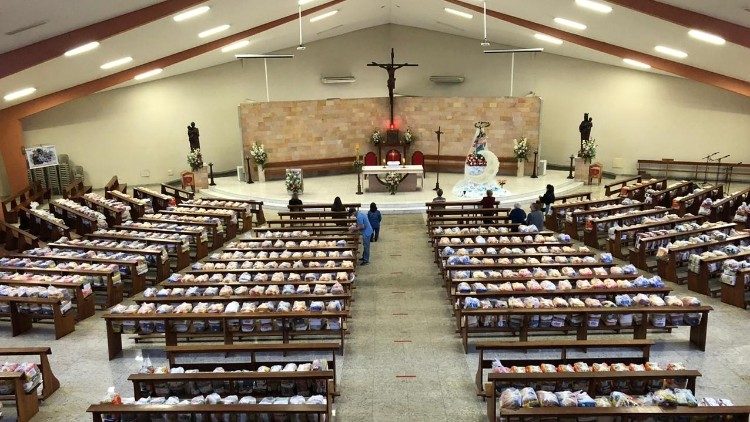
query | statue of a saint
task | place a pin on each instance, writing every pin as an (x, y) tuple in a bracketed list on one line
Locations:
[(585, 129), (194, 137)]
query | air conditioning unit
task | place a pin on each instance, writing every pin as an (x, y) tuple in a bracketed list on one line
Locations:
[(447, 79), (338, 79)]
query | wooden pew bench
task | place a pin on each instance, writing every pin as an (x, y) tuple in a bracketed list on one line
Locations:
[(16, 239), (175, 248), (345, 298), (624, 237), (616, 187), (691, 203), (82, 298), (664, 197), (215, 233), (638, 191), (725, 208), (668, 264), (734, 294), (598, 228), (27, 403), (114, 184), (322, 207), (555, 219), (699, 281), (178, 194), (79, 221), (21, 322), (578, 219), (113, 215), (41, 225), (138, 207), (167, 284), (229, 222), (76, 190), (251, 206), (33, 193), (244, 215), (50, 383), (159, 201), (312, 215), (330, 225), (732, 413), (564, 199), (197, 235)]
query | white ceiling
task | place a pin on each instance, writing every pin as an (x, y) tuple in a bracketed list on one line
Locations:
[(622, 27)]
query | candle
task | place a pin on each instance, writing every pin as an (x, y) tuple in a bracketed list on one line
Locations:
[(383, 162)]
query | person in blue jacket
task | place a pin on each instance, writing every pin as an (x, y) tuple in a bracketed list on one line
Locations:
[(365, 229), (375, 217)]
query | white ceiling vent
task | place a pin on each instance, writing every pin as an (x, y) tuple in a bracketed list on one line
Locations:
[(447, 79), (338, 79)]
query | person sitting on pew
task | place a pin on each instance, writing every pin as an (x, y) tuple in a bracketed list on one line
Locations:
[(488, 202), (375, 218), (517, 214), (536, 216), (365, 229), (295, 204), (548, 198)]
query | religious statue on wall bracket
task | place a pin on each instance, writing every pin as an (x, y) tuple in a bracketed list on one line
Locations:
[(194, 137), (585, 129)]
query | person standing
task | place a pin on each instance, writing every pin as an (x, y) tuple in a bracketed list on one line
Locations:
[(517, 214), (536, 217), (548, 198), (488, 202), (295, 204), (375, 218), (365, 229)]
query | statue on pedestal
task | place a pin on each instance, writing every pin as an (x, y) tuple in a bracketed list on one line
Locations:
[(585, 129), (480, 169), (194, 137)]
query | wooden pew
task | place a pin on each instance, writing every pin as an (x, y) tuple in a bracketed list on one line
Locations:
[(563, 346), (581, 196), (42, 226), (638, 191), (619, 243), (725, 208), (345, 298), (15, 239), (731, 413), (169, 284), (312, 215), (159, 201), (85, 303), (691, 203), (665, 196), (699, 281), (175, 247), (137, 206), (456, 205), (615, 187), (667, 265), (115, 185), (33, 193), (697, 333), (113, 215), (555, 220), (322, 207), (27, 404), (76, 190), (286, 333), (80, 222), (599, 227), (734, 294), (575, 225), (229, 221), (178, 194), (198, 236), (244, 215), (336, 225), (50, 383), (216, 233), (255, 207), (64, 323)]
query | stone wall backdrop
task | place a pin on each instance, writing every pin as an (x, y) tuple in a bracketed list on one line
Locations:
[(308, 130)]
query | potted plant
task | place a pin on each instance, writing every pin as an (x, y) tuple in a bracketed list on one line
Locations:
[(260, 156), (521, 152)]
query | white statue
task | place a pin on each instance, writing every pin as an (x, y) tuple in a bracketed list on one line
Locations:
[(480, 170)]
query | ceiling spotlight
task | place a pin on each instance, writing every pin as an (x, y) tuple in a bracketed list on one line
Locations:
[(671, 51), (191, 13), (115, 63), (707, 37), (458, 13), (485, 42), (213, 31), (150, 73), (323, 16), (636, 63), (235, 46), (548, 38), (594, 5), (82, 49), (569, 23), (19, 94)]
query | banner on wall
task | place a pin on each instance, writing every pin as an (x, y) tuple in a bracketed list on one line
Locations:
[(41, 156)]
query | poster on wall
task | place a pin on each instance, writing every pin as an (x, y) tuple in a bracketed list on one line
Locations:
[(41, 156)]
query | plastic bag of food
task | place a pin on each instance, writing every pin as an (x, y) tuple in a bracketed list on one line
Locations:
[(547, 399), (510, 398), (529, 398)]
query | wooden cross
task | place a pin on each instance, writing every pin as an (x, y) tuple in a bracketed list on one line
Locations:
[(391, 68)]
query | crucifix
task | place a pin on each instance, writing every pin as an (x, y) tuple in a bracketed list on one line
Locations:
[(391, 68)]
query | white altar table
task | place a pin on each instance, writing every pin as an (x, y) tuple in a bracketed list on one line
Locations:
[(409, 184)]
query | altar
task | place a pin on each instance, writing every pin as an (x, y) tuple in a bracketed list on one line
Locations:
[(410, 173)]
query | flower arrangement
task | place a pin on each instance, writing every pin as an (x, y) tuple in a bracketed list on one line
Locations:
[(474, 160), (195, 159), (408, 137), (521, 148), (357, 164), (392, 180), (259, 154), (502, 182), (589, 150), (375, 138), (293, 181)]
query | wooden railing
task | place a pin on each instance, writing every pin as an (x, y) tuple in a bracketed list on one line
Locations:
[(33, 193)]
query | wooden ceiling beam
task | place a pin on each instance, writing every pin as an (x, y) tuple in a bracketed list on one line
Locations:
[(700, 75), (731, 32), (31, 55)]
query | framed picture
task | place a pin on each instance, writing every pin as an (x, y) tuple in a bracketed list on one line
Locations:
[(41, 156)]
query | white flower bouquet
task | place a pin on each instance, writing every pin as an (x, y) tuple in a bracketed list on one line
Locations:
[(521, 148), (293, 181), (408, 137), (259, 154), (375, 138), (392, 180), (195, 159), (588, 153)]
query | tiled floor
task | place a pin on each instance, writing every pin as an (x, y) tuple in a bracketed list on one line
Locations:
[(403, 360)]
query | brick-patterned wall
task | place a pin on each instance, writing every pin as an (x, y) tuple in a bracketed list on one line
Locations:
[(305, 130)]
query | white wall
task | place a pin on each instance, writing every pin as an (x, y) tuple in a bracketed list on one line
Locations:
[(636, 114)]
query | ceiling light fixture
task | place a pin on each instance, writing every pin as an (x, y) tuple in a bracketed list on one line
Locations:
[(636, 63), (485, 41), (515, 50), (235, 46), (213, 31), (671, 51), (707, 37), (548, 38), (594, 5), (264, 56), (301, 45), (190, 13), (458, 13), (569, 23), (304, 2), (19, 94), (150, 73), (323, 16), (115, 63), (82, 49)]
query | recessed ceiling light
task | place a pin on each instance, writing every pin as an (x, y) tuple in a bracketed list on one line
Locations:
[(636, 63), (304, 2), (570, 23), (150, 73), (323, 16), (82, 49), (213, 31), (20, 93), (235, 46), (594, 5), (548, 38), (707, 37), (115, 63), (671, 51), (191, 13), (458, 13)]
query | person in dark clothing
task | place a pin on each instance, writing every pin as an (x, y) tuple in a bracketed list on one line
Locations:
[(488, 202), (295, 203), (548, 198), (535, 217), (517, 214), (338, 208), (375, 218)]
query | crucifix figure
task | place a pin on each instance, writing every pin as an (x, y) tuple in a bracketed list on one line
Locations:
[(391, 68)]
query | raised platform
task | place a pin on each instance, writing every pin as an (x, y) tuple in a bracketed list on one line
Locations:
[(324, 189)]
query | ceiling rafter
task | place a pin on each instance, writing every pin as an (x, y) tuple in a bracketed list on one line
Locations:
[(722, 81), (25, 57)]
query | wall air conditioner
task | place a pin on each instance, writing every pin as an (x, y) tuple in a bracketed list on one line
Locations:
[(338, 79), (447, 79)]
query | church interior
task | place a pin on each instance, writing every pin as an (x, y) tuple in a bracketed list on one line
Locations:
[(374, 210)]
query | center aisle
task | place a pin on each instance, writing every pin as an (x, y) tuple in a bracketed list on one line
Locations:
[(404, 361)]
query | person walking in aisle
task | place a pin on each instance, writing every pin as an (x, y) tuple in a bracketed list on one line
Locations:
[(375, 218), (365, 229), (536, 216), (548, 198)]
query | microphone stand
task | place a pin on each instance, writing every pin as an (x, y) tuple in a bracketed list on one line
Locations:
[(718, 168), (708, 159), (728, 176)]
